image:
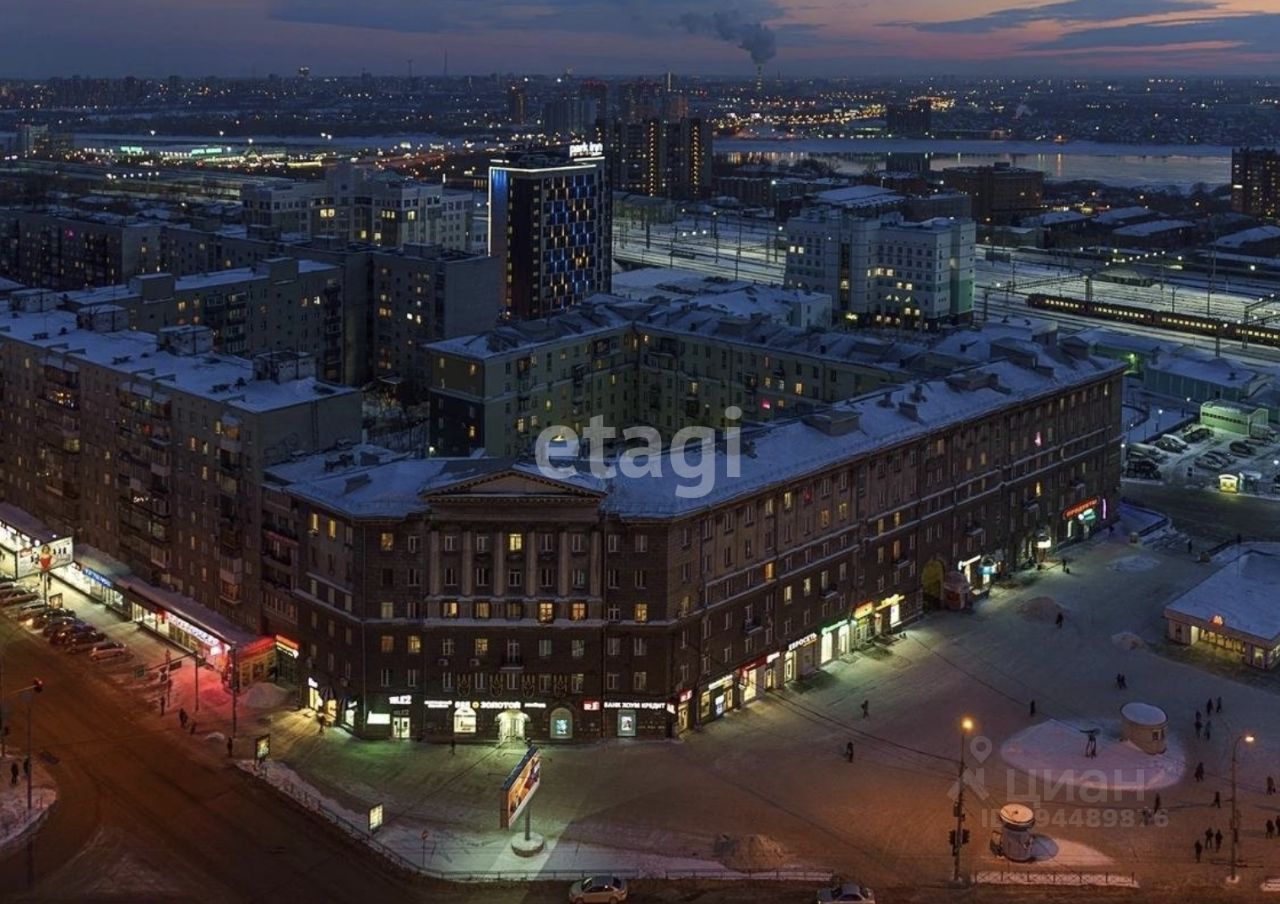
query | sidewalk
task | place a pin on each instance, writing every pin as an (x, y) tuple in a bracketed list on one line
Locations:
[(15, 819)]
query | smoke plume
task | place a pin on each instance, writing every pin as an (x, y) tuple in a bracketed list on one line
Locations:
[(755, 38)]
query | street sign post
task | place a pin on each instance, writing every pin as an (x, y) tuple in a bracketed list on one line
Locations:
[(519, 789), (375, 818)]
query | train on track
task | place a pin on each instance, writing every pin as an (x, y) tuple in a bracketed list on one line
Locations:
[(1195, 324)]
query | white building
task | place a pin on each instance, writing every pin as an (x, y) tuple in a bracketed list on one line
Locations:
[(884, 271)]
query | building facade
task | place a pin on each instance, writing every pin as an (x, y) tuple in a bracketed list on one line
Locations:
[(66, 251), (659, 158), (550, 227), (884, 271), (1002, 194), (1255, 182), (490, 599)]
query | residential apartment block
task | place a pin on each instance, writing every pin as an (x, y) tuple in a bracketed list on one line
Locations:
[(496, 599), (67, 250)]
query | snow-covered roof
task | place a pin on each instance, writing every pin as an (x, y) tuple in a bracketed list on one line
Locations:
[(1153, 227), (858, 196), (1144, 714), (136, 355), (1238, 599), (1249, 237), (1055, 218), (1122, 215)]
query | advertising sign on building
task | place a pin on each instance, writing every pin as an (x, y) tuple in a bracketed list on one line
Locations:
[(375, 818), (45, 557), (520, 787)]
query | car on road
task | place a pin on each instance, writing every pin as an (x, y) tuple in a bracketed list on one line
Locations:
[(82, 642), (108, 649), (598, 890), (845, 891)]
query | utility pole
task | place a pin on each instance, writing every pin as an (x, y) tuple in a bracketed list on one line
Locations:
[(960, 836), (235, 688), (1235, 812)]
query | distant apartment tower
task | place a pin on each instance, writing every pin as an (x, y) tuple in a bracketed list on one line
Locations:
[(1255, 182), (549, 222), (516, 105), (568, 115), (910, 120), (59, 252), (661, 159), (884, 272), (597, 94), (1002, 194)]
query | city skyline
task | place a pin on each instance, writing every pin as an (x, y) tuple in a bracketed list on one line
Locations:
[(787, 37)]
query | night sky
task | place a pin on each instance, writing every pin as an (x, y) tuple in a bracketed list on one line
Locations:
[(796, 37)]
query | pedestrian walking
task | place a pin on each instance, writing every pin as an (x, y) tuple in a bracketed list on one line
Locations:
[(1124, 681), (1188, 547), (1208, 730), (1199, 728), (1208, 837), (230, 746), (182, 717), (1065, 569), (1271, 829), (1218, 706), (1199, 850), (1119, 681), (1158, 808), (1208, 707), (453, 746), (1146, 816), (1271, 784), (1200, 772), (13, 773), (1217, 840), (1033, 709), (1217, 799), (848, 751), (866, 709), (1059, 620), (1239, 539), (162, 706)]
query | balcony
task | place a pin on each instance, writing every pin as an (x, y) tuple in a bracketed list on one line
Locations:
[(512, 664)]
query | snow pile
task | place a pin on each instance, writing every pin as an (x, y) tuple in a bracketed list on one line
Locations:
[(750, 853), (1052, 752), (1127, 640), (15, 819), (1067, 853), (264, 696), (1130, 564), (1041, 608)]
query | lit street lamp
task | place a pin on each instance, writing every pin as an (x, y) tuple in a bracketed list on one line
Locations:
[(960, 836), (1235, 812)]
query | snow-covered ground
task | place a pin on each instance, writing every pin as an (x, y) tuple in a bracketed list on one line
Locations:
[(15, 819)]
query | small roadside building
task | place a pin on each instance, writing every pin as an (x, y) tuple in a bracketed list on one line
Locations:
[(1234, 609)]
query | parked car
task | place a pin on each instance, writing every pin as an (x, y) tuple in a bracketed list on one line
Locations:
[(80, 642), (65, 632), (13, 590), (1171, 443), (1240, 447), (109, 649), (847, 891), (598, 890), (55, 625), (1143, 469), (1208, 463), (41, 621), (1197, 434), (19, 599), (1264, 435)]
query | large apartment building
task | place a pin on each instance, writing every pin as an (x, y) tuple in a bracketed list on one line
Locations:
[(550, 221), (67, 250), (150, 448), (671, 365), (660, 158), (497, 598), (278, 304), (884, 271), (1255, 182)]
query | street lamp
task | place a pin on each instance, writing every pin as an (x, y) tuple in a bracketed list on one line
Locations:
[(961, 835), (1235, 812)]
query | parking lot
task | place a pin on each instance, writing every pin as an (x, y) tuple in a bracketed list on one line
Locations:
[(1208, 454)]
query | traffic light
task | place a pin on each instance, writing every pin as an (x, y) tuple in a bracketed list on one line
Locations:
[(964, 836), (37, 685), (951, 837)]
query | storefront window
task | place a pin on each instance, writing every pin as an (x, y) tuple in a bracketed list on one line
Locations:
[(626, 723), (561, 724), (464, 720)]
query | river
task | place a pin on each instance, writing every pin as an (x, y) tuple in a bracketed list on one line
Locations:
[(1132, 165)]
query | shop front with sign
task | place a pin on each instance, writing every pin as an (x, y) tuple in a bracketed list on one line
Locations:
[(1084, 517), (716, 699), (751, 681), (639, 718), (802, 657)]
